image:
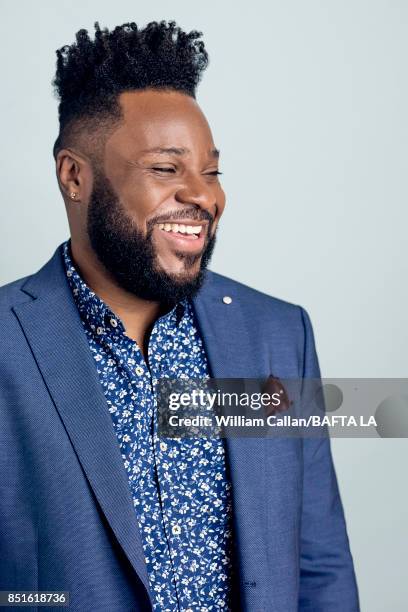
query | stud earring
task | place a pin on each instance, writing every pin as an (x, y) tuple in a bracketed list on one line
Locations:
[(73, 195)]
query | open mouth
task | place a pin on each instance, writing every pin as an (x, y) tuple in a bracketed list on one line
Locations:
[(190, 232)]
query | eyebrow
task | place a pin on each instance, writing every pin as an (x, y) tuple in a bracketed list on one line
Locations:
[(178, 151)]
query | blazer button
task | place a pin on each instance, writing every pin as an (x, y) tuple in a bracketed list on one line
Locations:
[(227, 299)]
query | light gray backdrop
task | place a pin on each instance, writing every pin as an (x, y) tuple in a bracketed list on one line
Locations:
[(308, 104)]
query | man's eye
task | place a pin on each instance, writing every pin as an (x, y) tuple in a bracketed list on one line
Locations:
[(215, 173), (164, 169)]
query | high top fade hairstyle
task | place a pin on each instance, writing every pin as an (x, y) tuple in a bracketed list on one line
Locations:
[(91, 74)]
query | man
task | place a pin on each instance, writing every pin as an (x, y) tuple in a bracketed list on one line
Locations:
[(94, 501)]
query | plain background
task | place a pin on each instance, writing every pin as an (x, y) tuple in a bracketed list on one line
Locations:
[(308, 104)]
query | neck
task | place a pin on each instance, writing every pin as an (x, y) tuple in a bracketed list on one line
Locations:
[(136, 314)]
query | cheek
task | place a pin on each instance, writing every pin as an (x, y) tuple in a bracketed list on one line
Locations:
[(141, 200)]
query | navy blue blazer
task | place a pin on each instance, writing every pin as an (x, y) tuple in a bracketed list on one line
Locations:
[(66, 517)]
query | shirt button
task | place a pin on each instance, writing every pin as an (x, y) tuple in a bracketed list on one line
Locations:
[(176, 530), (99, 330), (139, 370), (114, 322), (163, 446), (227, 299)]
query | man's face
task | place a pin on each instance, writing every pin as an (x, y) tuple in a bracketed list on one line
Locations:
[(157, 201)]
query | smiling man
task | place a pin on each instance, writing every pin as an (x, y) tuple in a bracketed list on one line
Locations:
[(93, 501)]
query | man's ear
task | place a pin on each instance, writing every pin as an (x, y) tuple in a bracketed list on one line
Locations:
[(74, 175)]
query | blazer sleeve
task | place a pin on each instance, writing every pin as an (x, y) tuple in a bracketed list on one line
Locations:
[(327, 579)]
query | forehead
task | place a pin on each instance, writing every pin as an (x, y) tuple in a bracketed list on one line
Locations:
[(153, 118)]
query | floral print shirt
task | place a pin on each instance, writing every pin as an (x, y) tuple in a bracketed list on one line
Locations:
[(180, 489)]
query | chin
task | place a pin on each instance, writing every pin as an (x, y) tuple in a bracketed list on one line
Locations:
[(182, 276), (183, 271)]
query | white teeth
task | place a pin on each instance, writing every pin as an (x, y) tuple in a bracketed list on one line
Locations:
[(181, 228)]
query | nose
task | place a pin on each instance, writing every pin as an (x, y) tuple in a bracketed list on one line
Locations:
[(197, 191)]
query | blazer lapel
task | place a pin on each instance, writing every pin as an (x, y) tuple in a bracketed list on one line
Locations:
[(54, 331), (232, 353)]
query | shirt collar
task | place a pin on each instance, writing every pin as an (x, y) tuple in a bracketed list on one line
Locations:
[(96, 313)]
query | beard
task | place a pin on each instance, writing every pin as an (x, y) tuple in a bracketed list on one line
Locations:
[(130, 256)]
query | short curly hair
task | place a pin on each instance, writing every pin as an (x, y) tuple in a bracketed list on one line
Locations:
[(91, 74)]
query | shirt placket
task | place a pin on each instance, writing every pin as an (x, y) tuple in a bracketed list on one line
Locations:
[(163, 336), (169, 487)]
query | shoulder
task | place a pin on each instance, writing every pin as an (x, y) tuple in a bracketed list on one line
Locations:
[(11, 298), (261, 305), (277, 327), (11, 294), (48, 278)]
